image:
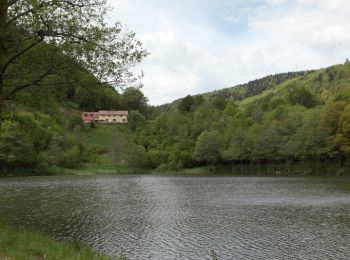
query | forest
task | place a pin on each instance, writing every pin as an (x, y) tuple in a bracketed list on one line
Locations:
[(50, 74), (304, 118)]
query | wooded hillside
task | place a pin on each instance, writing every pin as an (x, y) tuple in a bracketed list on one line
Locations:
[(301, 117)]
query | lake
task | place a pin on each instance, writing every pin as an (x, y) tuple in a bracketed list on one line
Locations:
[(179, 217)]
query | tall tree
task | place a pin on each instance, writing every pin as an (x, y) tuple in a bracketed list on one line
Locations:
[(186, 103), (67, 31), (208, 148), (134, 99), (118, 145)]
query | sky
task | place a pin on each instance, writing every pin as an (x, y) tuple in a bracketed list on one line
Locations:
[(198, 46)]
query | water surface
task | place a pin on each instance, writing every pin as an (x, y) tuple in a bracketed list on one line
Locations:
[(167, 217)]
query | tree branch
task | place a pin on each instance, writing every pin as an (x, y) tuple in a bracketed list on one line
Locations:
[(34, 82), (21, 53), (44, 4), (21, 87)]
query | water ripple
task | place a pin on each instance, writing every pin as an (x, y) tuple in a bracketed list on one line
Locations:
[(147, 217)]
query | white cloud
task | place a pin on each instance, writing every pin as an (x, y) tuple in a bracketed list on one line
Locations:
[(197, 46)]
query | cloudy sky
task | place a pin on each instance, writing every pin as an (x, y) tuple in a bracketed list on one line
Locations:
[(202, 45)]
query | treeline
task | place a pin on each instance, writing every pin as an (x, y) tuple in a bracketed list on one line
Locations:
[(303, 119), (39, 124), (40, 133), (237, 93), (73, 86), (257, 86)]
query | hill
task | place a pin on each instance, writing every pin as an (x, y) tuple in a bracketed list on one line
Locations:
[(39, 124), (287, 118), (241, 91), (267, 125)]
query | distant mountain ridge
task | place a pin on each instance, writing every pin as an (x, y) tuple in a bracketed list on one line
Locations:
[(257, 86), (241, 91)]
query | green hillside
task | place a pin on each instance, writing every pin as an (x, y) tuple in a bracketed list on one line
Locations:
[(273, 123), (243, 91), (41, 130), (286, 123), (255, 87)]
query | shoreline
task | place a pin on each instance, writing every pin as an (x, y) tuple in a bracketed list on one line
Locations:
[(23, 244), (197, 171)]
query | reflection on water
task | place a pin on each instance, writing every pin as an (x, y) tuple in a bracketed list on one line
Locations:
[(152, 217)]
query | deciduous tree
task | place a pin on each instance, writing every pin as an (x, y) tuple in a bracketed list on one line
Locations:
[(51, 33), (208, 148)]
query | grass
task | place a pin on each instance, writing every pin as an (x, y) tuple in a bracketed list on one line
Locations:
[(25, 245), (100, 136)]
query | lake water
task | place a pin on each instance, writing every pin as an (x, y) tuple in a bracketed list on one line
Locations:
[(170, 217)]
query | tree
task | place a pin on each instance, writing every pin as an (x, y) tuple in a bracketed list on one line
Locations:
[(135, 99), (302, 95), (238, 148), (117, 150), (15, 147), (343, 137), (136, 120), (136, 156), (186, 103), (53, 33), (208, 148), (219, 102)]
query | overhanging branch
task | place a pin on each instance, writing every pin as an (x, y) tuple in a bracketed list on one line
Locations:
[(20, 53), (48, 72)]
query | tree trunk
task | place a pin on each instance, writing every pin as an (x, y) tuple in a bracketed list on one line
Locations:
[(3, 21), (288, 166), (318, 166)]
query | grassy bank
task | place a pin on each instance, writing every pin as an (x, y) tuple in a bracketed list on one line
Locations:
[(24, 245), (101, 137)]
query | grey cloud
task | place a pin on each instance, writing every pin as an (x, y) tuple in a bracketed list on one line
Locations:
[(191, 53)]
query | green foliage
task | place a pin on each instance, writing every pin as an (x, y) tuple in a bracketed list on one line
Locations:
[(343, 136), (219, 102), (257, 86), (23, 244), (16, 147), (208, 148), (186, 104), (82, 35), (135, 100), (136, 120), (135, 156), (300, 117), (301, 95)]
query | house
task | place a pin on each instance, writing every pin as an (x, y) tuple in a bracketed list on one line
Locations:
[(88, 117), (106, 117)]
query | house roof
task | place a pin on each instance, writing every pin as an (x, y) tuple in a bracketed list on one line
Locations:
[(105, 112), (113, 112)]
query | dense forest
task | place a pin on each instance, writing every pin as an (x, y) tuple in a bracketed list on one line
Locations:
[(305, 117), (278, 120), (282, 120), (70, 61), (58, 58), (40, 125)]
